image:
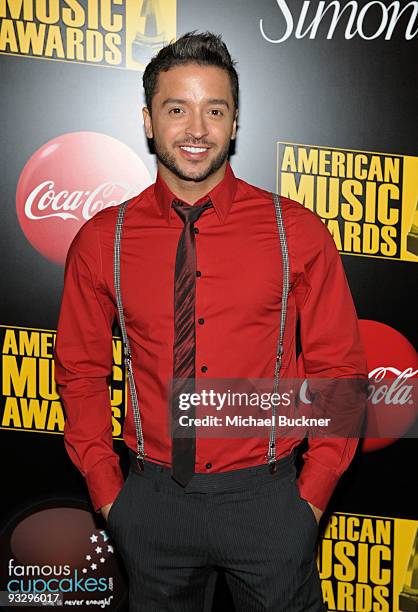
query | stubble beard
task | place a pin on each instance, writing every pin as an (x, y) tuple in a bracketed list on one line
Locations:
[(169, 161)]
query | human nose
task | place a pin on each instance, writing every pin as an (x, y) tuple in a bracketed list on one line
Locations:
[(196, 126)]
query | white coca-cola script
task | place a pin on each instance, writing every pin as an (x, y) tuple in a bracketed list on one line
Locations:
[(45, 202)]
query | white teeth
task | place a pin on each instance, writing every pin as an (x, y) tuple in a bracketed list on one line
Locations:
[(194, 149)]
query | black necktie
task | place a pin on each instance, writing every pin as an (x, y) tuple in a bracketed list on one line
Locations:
[(184, 350)]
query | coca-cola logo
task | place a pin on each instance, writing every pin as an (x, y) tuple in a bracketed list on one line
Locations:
[(396, 392), (67, 181), (392, 385), (393, 369), (45, 202)]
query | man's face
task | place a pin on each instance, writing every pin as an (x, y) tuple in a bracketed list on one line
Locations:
[(193, 120)]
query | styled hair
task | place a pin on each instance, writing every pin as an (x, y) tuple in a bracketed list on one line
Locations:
[(204, 48)]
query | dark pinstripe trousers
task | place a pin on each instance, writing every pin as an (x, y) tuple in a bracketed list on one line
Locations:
[(249, 523)]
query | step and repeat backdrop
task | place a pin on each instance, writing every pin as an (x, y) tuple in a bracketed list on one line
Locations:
[(328, 118)]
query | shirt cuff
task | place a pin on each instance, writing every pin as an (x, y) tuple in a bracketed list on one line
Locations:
[(104, 481), (316, 483)]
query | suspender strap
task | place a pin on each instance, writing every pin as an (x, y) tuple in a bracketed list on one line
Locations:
[(271, 454), (125, 341)]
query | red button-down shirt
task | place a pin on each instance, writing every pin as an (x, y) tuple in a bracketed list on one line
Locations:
[(238, 294)]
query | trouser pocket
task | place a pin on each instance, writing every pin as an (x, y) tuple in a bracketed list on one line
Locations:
[(306, 509), (113, 512)]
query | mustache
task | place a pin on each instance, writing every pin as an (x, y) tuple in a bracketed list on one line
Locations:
[(196, 143)]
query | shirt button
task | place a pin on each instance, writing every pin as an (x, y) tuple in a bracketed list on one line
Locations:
[(204, 368), (196, 230), (201, 321), (208, 466), (198, 273)]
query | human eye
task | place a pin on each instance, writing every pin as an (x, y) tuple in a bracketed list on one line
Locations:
[(176, 110), (216, 112)]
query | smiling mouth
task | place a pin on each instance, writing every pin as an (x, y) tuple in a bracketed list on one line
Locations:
[(193, 149), (194, 153)]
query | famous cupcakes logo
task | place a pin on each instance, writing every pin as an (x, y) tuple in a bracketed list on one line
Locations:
[(55, 554), (67, 181)]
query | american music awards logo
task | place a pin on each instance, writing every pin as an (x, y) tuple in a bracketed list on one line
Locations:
[(122, 34)]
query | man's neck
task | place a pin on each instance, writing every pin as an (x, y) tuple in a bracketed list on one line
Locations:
[(190, 191)]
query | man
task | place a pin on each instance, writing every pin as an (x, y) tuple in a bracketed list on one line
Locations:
[(202, 298)]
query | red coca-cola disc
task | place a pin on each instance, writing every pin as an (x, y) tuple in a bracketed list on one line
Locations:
[(67, 181)]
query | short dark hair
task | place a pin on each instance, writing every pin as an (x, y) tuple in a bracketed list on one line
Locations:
[(204, 48)]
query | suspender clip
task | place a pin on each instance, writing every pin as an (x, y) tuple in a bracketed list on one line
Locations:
[(271, 460), (273, 467), (140, 460)]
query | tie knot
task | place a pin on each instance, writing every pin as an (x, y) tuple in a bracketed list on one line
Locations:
[(188, 213)]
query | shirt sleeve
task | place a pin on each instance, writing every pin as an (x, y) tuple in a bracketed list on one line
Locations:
[(83, 362), (331, 348)]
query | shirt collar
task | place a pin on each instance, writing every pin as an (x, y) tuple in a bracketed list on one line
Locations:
[(222, 196)]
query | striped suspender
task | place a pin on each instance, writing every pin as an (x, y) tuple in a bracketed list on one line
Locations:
[(271, 454), (125, 341)]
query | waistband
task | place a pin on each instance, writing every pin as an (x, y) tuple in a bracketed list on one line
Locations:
[(220, 481)]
